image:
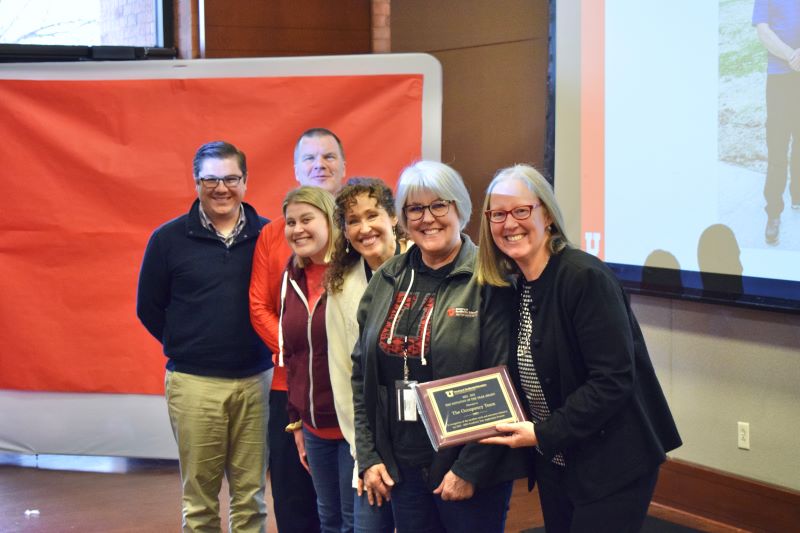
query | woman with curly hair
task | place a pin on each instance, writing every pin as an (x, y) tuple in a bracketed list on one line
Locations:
[(365, 215)]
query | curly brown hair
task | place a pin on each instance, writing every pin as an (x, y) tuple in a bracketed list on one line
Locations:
[(343, 256)]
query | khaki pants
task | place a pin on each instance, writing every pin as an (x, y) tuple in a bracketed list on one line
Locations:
[(220, 426)]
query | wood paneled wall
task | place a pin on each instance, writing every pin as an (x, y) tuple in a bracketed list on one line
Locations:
[(494, 60), (727, 498), (493, 54), (258, 28), (187, 34)]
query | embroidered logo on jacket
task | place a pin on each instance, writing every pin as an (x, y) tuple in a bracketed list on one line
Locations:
[(462, 312)]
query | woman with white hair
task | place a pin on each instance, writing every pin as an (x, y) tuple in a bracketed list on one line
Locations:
[(600, 423), (423, 317)]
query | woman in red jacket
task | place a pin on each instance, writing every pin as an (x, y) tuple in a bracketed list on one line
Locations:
[(310, 232)]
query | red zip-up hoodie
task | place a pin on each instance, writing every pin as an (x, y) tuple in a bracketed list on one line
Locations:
[(305, 355)]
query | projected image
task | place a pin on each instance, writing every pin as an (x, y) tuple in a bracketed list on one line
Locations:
[(759, 120), (689, 165)]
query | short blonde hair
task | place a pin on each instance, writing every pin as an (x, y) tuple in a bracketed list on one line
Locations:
[(322, 200), (493, 266)]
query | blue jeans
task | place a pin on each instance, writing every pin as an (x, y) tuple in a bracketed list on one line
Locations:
[(416, 509), (332, 473), (371, 518)]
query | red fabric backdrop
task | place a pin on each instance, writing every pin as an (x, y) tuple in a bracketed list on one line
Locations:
[(93, 167)]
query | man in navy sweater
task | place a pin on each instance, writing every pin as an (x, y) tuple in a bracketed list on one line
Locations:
[(193, 298)]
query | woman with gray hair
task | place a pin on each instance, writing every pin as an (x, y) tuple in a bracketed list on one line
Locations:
[(423, 317), (601, 425)]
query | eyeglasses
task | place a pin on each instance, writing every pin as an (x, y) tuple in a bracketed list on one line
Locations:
[(521, 212), (211, 182), (438, 208)]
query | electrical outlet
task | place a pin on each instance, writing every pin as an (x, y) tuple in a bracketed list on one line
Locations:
[(743, 439)]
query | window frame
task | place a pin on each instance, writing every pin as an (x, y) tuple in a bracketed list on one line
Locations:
[(165, 33)]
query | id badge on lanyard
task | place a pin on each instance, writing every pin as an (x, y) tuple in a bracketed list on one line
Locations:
[(406, 400), (406, 396)]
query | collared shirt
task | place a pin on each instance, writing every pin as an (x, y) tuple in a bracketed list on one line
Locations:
[(229, 238)]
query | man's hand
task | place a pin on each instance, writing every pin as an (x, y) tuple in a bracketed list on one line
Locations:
[(516, 435), (454, 488), (300, 442), (378, 484)]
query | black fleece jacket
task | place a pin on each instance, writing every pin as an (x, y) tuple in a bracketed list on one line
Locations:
[(460, 342), (193, 297)]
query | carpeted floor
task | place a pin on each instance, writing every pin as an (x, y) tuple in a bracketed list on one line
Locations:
[(651, 525)]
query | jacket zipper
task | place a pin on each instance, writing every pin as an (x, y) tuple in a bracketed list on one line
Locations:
[(310, 350)]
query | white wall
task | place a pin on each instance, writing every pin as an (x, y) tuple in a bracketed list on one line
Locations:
[(719, 365), (124, 425)]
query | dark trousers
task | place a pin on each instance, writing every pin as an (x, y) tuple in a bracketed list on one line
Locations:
[(293, 496), (621, 512), (417, 510), (783, 141)]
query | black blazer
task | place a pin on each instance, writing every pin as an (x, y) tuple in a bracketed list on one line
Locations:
[(609, 416)]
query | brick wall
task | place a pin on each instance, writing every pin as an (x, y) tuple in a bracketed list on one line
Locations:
[(381, 26), (128, 23)]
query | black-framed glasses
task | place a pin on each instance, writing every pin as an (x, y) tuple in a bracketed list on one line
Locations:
[(521, 212), (438, 208), (211, 182)]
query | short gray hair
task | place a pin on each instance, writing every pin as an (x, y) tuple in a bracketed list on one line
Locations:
[(317, 132), (437, 178)]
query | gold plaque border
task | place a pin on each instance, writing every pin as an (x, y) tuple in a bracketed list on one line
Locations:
[(496, 376)]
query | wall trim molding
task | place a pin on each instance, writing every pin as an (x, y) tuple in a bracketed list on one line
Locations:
[(726, 498)]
